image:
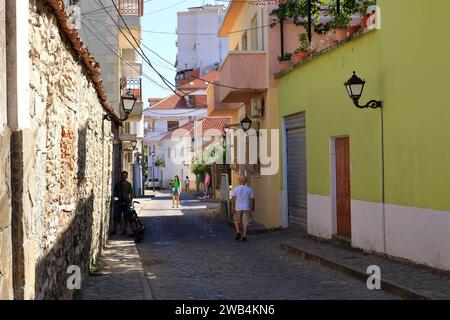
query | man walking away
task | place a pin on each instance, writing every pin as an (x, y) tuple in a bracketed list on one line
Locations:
[(243, 203), (124, 192)]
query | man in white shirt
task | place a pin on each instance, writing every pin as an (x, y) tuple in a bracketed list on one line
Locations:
[(242, 204)]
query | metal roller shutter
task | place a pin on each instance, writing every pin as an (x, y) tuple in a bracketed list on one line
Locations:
[(296, 171)]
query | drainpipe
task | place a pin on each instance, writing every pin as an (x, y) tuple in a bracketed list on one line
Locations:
[(282, 37), (383, 187)]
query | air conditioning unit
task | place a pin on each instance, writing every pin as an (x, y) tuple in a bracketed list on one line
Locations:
[(257, 107)]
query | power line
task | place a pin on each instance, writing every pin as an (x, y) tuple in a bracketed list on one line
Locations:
[(171, 6), (121, 58), (101, 9), (207, 34), (162, 66), (141, 53)]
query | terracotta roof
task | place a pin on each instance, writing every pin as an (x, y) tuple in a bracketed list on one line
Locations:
[(209, 126), (178, 102), (200, 84), (91, 67), (154, 100), (171, 102), (180, 132), (213, 125)]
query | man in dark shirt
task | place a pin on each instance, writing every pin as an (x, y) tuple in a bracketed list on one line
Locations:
[(124, 192)]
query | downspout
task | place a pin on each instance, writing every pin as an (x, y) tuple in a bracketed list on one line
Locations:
[(309, 21), (383, 186), (282, 36), (102, 217)]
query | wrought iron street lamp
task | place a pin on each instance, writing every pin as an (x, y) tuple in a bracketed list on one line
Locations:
[(246, 124), (127, 103), (355, 88)]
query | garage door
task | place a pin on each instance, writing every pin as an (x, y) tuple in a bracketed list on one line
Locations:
[(296, 171)]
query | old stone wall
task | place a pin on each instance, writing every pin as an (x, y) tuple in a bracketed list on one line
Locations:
[(6, 276), (66, 217)]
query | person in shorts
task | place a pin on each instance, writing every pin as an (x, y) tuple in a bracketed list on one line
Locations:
[(242, 204), (176, 191)]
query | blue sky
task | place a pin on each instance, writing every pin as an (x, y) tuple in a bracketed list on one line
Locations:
[(161, 16)]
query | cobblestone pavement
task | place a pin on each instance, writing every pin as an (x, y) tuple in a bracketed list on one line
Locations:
[(189, 254), (121, 276)]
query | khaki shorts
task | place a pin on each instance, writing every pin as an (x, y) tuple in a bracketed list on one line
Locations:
[(245, 216)]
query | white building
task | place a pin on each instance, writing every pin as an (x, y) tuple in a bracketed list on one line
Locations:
[(199, 47), (159, 124)]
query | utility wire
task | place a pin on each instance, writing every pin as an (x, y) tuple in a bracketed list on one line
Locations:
[(121, 58), (101, 9), (140, 51), (114, 35)]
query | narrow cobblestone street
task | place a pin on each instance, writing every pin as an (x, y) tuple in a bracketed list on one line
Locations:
[(189, 254)]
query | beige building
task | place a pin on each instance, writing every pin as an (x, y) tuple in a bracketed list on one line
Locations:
[(247, 88)]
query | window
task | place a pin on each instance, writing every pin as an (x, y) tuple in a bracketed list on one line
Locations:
[(244, 41), (254, 33), (172, 125)]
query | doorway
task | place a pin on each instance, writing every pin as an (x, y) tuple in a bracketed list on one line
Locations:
[(343, 204)]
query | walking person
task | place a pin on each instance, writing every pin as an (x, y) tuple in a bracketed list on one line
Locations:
[(187, 182), (207, 185), (123, 191), (176, 190), (242, 204)]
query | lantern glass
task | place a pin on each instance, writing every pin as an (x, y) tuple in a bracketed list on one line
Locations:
[(246, 123), (128, 102), (355, 86)]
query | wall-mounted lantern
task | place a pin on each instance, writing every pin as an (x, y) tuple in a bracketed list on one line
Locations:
[(246, 124), (127, 103), (355, 88)]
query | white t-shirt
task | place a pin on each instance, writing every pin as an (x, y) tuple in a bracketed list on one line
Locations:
[(243, 195)]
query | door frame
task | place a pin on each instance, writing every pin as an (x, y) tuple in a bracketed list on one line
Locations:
[(333, 186)]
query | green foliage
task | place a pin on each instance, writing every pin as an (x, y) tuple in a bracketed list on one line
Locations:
[(305, 45), (160, 162), (322, 28), (285, 57), (298, 11)]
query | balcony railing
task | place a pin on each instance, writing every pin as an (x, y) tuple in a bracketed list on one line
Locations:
[(131, 7), (135, 86)]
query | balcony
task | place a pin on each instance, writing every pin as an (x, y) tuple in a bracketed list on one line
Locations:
[(134, 85), (131, 7), (246, 71), (132, 68), (215, 106), (132, 11)]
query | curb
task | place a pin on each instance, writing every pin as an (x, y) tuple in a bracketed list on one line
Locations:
[(386, 285)]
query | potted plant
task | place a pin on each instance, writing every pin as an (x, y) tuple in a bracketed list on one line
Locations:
[(340, 23), (285, 61), (304, 50), (362, 7)]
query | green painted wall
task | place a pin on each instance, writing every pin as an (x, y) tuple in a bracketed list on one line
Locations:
[(407, 64)]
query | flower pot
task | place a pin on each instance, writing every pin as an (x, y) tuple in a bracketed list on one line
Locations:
[(300, 56), (371, 20), (340, 34), (352, 29), (364, 19), (285, 65)]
